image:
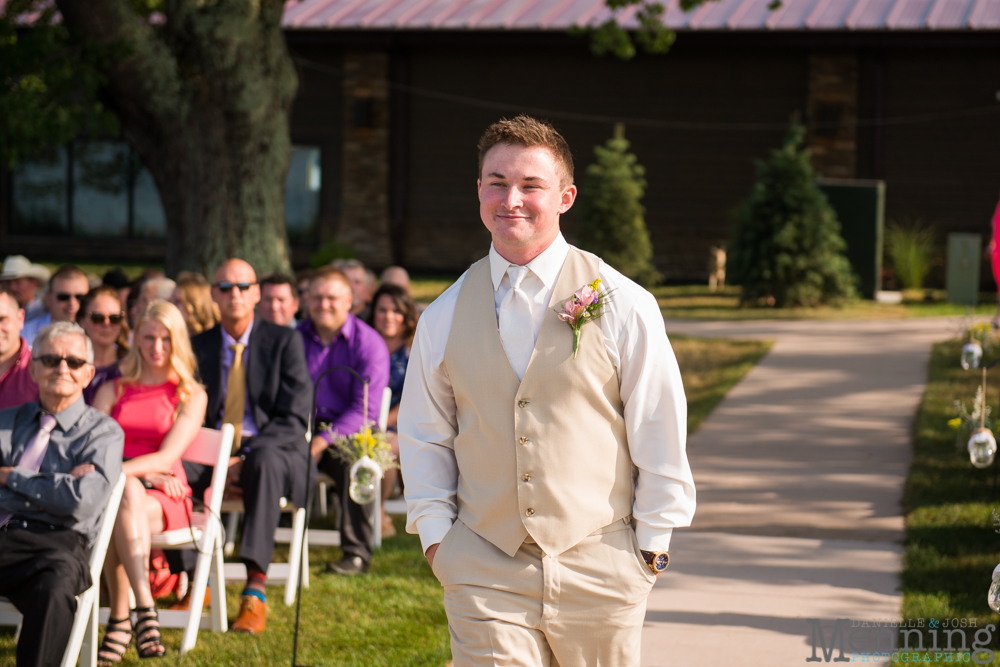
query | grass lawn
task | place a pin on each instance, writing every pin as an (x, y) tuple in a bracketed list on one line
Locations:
[(696, 302), (394, 616), (951, 548)]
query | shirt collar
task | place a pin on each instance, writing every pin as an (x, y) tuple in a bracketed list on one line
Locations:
[(546, 266), (228, 341), (68, 417), (347, 331)]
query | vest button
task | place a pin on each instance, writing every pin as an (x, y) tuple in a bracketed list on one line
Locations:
[(522, 403), (526, 477), (523, 440), (529, 512)]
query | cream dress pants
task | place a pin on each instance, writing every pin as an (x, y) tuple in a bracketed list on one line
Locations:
[(582, 608)]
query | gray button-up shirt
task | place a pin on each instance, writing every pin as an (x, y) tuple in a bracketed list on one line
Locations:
[(81, 435)]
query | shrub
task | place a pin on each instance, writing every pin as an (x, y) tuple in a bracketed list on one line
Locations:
[(910, 245), (612, 224), (787, 249), (330, 251)]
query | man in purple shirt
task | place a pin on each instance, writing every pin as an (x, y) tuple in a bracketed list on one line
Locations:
[(334, 337)]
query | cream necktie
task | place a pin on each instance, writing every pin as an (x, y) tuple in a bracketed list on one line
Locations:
[(236, 392), (33, 454), (516, 328)]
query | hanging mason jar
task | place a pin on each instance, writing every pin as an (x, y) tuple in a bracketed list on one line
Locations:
[(994, 596), (972, 354), (982, 448), (365, 474)]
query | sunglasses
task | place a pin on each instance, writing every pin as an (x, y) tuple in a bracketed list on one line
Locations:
[(226, 287), (53, 361), (99, 318), (64, 296)]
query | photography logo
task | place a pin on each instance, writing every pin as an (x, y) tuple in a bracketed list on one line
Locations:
[(953, 640)]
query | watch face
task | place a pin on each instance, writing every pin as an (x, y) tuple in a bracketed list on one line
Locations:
[(660, 562)]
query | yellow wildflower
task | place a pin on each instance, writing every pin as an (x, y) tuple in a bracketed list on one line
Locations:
[(955, 423), (595, 285)]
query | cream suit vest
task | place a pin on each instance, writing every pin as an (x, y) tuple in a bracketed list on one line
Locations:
[(546, 457)]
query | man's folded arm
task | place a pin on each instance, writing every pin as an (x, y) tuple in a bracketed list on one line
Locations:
[(287, 422), (374, 365), (63, 495), (656, 426)]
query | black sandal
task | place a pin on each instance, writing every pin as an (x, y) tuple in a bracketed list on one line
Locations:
[(147, 633), (112, 651)]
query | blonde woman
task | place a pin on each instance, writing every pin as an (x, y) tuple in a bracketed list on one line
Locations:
[(193, 297), (160, 406)]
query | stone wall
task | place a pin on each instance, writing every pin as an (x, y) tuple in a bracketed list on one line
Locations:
[(832, 113), (364, 216)]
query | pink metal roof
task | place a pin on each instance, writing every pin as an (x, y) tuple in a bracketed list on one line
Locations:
[(860, 15)]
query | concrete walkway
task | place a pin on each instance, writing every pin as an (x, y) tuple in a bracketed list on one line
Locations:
[(799, 473)]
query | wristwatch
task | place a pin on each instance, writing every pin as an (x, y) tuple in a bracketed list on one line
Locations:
[(656, 560)]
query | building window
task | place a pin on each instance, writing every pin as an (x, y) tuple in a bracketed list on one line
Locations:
[(100, 189), (302, 194), (86, 189)]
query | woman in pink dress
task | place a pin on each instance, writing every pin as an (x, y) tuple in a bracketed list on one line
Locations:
[(160, 406)]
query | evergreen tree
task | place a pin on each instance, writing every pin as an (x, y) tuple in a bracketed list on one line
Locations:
[(787, 249), (612, 224)]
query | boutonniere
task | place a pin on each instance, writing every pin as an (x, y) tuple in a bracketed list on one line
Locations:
[(585, 305)]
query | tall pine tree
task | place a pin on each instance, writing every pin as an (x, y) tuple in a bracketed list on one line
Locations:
[(612, 224), (787, 249)]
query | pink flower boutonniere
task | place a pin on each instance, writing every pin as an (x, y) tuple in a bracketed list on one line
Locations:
[(585, 305)]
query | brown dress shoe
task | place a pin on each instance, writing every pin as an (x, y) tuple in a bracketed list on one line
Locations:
[(252, 617), (184, 604)]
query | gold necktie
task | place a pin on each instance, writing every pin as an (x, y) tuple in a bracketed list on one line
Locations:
[(236, 392)]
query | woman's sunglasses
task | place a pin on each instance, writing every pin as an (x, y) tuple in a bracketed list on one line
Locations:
[(100, 318), (53, 361)]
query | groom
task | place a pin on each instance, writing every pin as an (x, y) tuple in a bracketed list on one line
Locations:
[(544, 487)]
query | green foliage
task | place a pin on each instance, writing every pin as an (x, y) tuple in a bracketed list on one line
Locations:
[(49, 82), (787, 249), (330, 251), (652, 35), (910, 245), (612, 224)]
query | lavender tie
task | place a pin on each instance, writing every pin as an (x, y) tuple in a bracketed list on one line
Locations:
[(34, 453)]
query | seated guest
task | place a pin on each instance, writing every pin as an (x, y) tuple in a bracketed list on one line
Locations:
[(279, 301), (396, 275), (256, 378), (25, 281), (362, 284), (335, 337), (156, 287), (103, 318), (16, 384), (193, 297), (66, 290), (394, 316), (59, 460), (160, 406)]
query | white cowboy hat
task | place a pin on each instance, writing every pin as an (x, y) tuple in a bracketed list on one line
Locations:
[(18, 266)]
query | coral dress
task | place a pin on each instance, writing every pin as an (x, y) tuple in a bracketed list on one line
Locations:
[(146, 413)]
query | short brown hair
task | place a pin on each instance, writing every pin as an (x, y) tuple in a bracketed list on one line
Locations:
[(328, 273), (66, 272), (528, 132)]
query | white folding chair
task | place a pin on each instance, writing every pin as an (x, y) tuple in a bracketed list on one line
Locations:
[(212, 448), (83, 637)]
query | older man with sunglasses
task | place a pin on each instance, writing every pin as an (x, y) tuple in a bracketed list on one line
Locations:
[(59, 460), (256, 378)]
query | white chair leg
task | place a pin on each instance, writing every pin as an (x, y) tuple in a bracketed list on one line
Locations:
[(322, 499), (305, 558), (217, 582), (295, 554), (198, 586), (17, 633), (377, 517), (232, 523), (83, 624)]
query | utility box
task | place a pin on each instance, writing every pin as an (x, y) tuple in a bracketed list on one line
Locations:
[(962, 277), (860, 209)]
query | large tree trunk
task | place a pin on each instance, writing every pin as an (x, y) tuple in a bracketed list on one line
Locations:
[(204, 99)]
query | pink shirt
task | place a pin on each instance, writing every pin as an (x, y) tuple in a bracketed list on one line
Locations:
[(16, 385)]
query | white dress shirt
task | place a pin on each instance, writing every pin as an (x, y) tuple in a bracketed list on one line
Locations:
[(650, 388)]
